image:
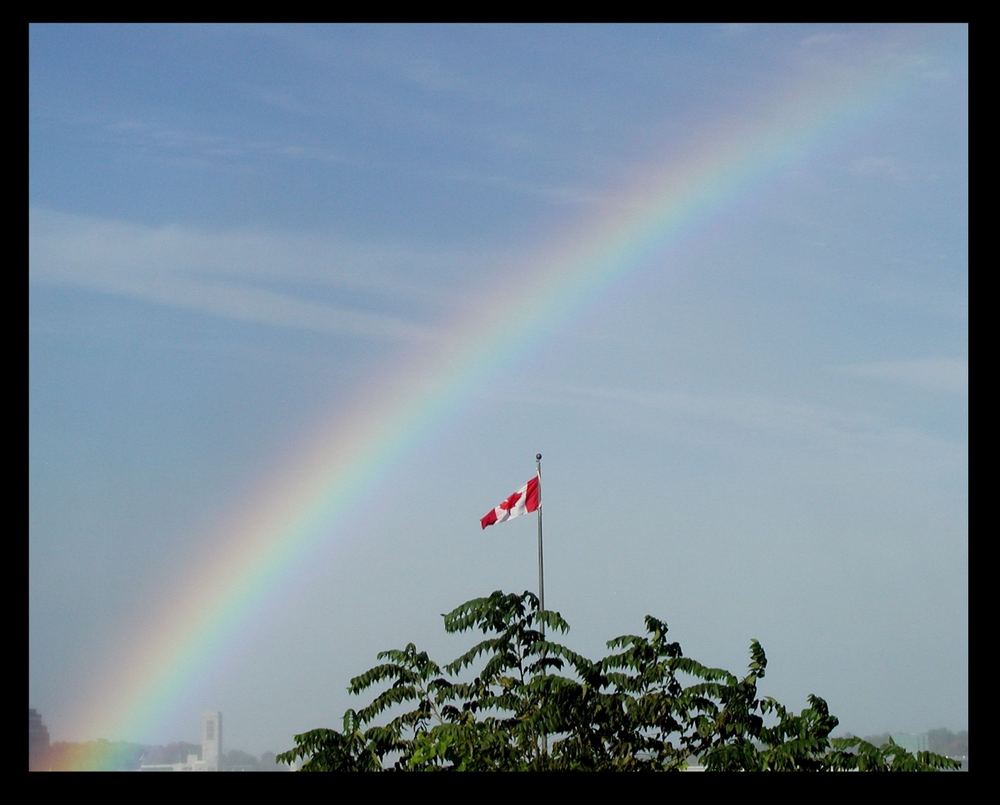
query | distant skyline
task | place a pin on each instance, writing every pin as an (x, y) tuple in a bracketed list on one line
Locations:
[(939, 740), (305, 301)]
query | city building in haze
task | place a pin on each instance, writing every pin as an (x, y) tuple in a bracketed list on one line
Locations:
[(211, 741), (211, 749)]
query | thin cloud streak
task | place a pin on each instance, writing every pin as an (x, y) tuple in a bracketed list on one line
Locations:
[(552, 193), (138, 134), (216, 273), (714, 418), (936, 374)]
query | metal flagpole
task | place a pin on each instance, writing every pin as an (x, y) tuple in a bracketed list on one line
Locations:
[(541, 576)]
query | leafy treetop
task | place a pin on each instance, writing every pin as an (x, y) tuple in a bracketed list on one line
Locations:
[(537, 705)]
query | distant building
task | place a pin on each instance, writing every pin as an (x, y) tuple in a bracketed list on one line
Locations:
[(211, 749), (38, 742), (211, 741), (911, 743)]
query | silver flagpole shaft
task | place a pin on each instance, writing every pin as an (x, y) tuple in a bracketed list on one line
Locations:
[(541, 575)]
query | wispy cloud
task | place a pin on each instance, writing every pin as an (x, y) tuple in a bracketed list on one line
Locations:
[(845, 48), (428, 74), (135, 133), (824, 39), (747, 412), (736, 28), (720, 419), (422, 70), (561, 194), (283, 100), (267, 278), (879, 167), (936, 374)]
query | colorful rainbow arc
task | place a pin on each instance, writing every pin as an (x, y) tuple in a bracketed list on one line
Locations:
[(300, 503)]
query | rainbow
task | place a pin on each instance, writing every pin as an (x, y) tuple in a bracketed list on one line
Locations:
[(302, 502)]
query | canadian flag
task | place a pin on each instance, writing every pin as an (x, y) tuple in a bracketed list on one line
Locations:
[(526, 499)]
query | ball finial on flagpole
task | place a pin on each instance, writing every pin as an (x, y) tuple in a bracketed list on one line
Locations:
[(538, 456)]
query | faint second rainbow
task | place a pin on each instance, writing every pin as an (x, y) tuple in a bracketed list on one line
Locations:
[(304, 500)]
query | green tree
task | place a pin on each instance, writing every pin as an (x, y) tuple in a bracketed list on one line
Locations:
[(537, 705)]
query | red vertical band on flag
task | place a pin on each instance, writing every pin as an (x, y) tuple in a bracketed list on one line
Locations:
[(532, 495)]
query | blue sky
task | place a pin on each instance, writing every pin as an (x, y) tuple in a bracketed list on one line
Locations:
[(758, 431)]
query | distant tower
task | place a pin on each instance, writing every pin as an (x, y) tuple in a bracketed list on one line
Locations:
[(211, 741)]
